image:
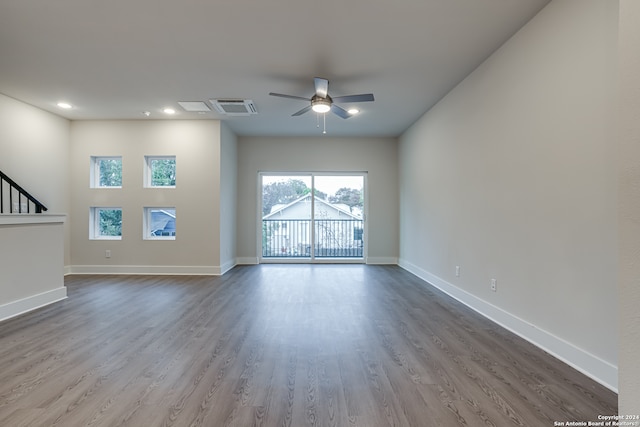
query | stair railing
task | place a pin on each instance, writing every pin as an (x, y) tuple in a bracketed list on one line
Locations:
[(19, 200)]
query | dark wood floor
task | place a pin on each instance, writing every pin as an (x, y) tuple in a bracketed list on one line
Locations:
[(277, 345)]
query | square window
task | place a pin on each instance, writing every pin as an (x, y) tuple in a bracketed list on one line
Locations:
[(160, 171), (159, 223), (105, 223), (106, 172)]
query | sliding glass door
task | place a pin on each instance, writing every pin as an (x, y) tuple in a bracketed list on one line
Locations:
[(286, 216), (312, 217)]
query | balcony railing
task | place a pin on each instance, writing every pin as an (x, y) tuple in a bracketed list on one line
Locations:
[(291, 238)]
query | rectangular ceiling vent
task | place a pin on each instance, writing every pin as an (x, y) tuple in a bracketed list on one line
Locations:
[(234, 107)]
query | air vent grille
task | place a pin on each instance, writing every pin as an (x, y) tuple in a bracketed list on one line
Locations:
[(194, 106), (234, 107)]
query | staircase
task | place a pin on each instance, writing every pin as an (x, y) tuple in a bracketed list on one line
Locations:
[(15, 199)]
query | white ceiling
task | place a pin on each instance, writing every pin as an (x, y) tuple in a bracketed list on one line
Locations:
[(115, 59)]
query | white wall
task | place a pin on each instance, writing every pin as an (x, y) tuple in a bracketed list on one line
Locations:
[(629, 207), (31, 262), (513, 176), (377, 156), (196, 145), (228, 196), (34, 152)]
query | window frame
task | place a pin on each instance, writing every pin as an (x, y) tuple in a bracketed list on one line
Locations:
[(94, 172), (148, 171), (94, 223), (146, 223)]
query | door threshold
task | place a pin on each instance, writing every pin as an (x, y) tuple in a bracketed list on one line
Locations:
[(312, 261)]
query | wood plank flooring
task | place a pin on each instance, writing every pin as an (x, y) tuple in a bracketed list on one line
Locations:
[(278, 345)]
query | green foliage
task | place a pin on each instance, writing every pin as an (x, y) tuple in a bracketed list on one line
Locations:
[(110, 172), (348, 196), (320, 194), (282, 193), (163, 172), (111, 222)]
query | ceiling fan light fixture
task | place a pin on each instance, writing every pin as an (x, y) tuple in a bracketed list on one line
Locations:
[(321, 106)]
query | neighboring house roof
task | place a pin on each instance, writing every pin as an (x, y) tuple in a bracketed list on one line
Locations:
[(340, 210), (162, 220), (277, 207)]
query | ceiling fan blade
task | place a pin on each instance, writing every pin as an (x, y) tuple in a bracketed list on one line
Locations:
[(322, 87), (365, 97), (288, 96), (301, 112), (339, 111)]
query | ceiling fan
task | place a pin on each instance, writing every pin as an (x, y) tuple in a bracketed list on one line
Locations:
[(322, 103)]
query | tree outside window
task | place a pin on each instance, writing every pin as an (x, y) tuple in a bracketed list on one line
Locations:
[(161, 171), (106, 223), (106, 172)]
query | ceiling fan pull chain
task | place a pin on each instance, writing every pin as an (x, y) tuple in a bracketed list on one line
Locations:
[(324, 124)]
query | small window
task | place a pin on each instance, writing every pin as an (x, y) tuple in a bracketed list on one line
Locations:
[(106, 172), (105, 223), (160, 223), (160, 171)]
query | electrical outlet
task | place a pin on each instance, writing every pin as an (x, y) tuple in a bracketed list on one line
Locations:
[(494, 285), (457, 271), (107, 253)]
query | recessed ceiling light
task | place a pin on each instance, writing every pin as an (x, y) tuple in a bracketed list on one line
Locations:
[(353, 111), (169, 110), (65, 105)]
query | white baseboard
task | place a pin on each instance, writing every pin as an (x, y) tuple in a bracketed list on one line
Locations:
[(227, 266), (170, 270), (24, 305), (592, 366), (382, 260), (247, 261)]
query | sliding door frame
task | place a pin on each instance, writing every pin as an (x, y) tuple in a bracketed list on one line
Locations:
[(312, 259)]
